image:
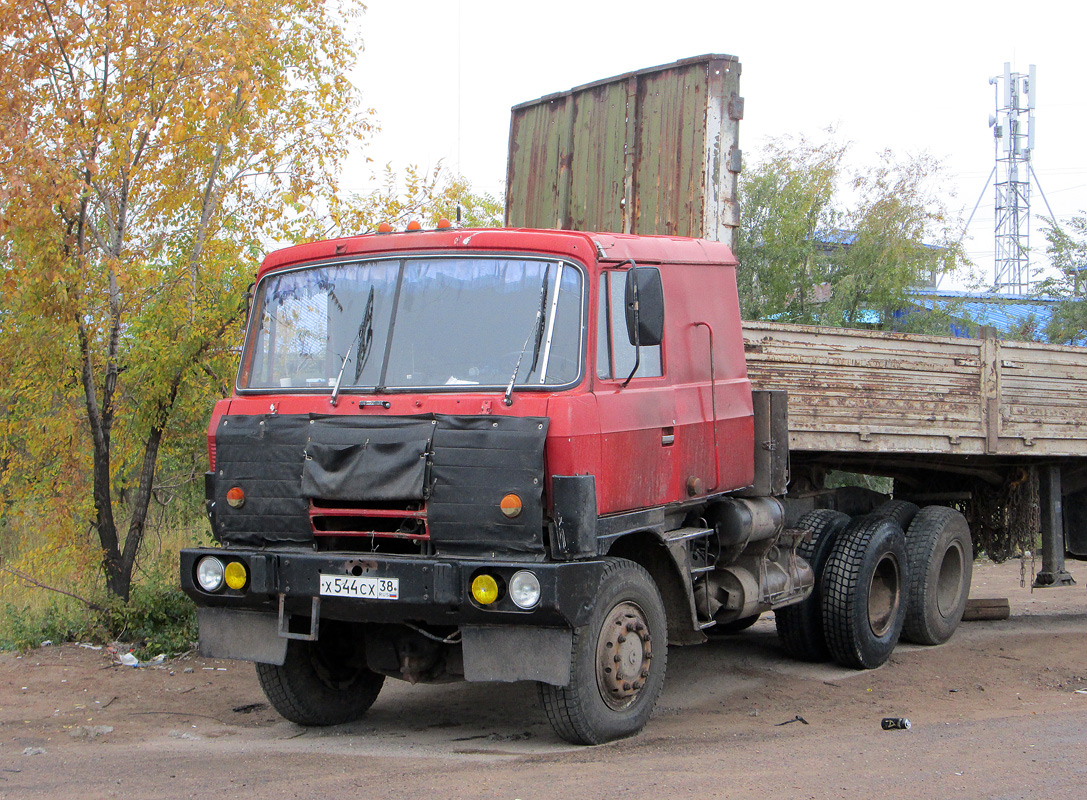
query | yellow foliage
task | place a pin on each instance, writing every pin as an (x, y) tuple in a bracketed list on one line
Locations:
[(147, 148)]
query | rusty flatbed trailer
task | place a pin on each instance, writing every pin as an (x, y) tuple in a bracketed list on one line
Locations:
[(874, 392), (946, 418)]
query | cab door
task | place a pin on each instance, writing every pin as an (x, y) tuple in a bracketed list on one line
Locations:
[(637, 421)]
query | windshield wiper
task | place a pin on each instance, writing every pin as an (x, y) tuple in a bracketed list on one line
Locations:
[(537, 333), (364, 337)]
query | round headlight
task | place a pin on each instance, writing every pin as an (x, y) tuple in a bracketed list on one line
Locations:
[(209, 574), (525, 589)]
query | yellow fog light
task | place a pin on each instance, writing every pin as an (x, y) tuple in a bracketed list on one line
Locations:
[(484, 589), (511, 505), (235, 497), (235, 575)]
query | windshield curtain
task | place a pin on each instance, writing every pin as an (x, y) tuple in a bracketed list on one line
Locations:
[(422, 322)]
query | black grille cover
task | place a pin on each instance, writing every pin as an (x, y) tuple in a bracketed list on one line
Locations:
[(460, 466)]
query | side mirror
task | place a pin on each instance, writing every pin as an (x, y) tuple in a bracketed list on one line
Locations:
[(644, 306)]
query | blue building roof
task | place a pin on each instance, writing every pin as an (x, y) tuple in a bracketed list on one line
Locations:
[(1008, 313)]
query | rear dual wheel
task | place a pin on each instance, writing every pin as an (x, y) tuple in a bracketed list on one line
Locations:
[(864, 592), (940, 557), (901, 511), (800, 626)]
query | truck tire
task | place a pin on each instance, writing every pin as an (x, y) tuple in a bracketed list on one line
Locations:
[(321, 683), (800, 626), (901, 511), (617, 662), (864, 592), (940, 558)]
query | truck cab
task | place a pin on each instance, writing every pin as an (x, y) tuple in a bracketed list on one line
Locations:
[(488, 455)]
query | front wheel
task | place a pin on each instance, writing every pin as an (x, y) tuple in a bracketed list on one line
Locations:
[(325, 682), (617, 663)]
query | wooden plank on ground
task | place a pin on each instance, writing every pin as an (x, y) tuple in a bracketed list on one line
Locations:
[(986, 608)]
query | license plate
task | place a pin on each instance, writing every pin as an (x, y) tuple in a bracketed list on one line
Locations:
[(362, 588)]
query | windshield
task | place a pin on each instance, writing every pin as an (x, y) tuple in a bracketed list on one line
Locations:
[(419, 322)]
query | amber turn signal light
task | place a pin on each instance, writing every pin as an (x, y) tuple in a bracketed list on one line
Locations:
[(511, 505), (235, 497)]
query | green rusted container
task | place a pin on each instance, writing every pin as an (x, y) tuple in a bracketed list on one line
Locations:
[(650, 152)]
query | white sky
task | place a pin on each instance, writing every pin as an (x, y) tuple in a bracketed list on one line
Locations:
[(909, 76)]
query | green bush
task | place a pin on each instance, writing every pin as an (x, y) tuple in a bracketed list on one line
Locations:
[(158, 617), (24, 627)]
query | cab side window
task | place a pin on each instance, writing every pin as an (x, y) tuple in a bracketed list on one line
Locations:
[(615, 355)]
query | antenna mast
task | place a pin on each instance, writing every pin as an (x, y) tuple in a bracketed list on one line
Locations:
[(1013, 137)]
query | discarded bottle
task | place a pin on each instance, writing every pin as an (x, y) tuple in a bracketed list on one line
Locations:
[(896, 724)]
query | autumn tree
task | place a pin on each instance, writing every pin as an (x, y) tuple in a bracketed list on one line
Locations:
[(400, 197), (821, 243), (1066, 246), (148, 149), (786, 203)]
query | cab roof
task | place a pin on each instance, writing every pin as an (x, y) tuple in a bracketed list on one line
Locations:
[(578, 245)]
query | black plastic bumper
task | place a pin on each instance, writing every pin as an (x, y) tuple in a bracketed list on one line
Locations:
[(436, 591)]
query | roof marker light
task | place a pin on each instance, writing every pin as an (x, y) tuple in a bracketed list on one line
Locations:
[(384, 227), (414, 225)]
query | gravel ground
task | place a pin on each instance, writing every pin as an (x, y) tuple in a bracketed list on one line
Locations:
[(997, 712)]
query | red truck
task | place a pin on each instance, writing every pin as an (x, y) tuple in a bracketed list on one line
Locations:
[(548, 455), (502, 455)]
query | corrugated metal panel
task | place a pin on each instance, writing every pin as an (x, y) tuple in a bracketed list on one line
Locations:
[(539, 182), (866, 391), (600, 119), (671, 136), (651, 152)]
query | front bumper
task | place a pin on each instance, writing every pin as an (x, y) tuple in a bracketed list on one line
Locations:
[(434, 591)]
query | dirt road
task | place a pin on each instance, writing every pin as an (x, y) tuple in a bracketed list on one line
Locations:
[(996, 713)]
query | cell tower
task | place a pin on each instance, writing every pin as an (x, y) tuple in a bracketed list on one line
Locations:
[(1013, 136)]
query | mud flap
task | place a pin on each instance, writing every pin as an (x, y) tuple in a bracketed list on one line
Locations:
[(505, 653), (241, 635)]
